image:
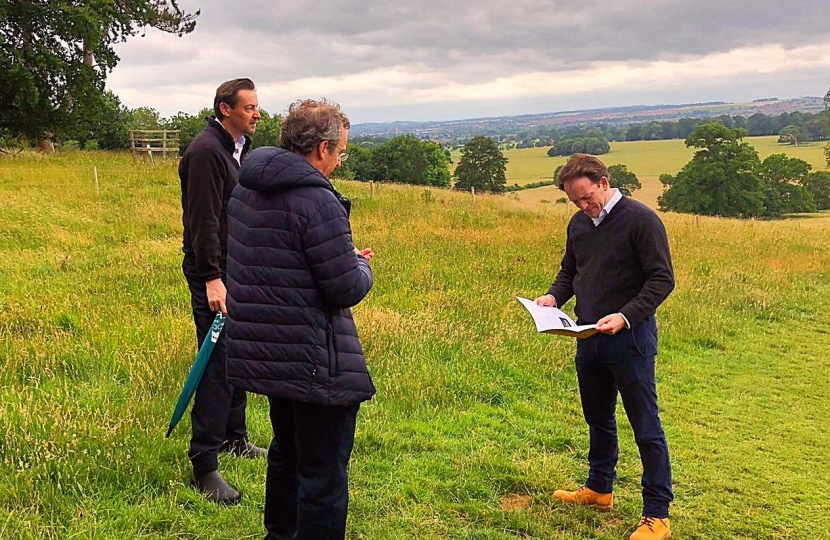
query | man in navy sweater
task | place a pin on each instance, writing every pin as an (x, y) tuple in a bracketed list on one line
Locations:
[(209, 170), (617, 264)]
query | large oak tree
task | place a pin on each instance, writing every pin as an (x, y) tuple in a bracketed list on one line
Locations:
[(55, 55), (482, 166)]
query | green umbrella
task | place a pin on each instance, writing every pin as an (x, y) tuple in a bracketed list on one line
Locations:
[(196, 371)]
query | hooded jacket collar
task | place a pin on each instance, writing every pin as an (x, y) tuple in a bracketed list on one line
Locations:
[(274, 169)]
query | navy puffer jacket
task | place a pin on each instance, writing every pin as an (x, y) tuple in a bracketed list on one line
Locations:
[(292, 277)]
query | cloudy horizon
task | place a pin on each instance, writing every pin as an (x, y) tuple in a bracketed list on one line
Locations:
[(385, 61)]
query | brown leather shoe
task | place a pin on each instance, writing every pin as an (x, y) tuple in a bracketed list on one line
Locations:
[(243, 448), (215, 488), (587, 497), (651, 528)]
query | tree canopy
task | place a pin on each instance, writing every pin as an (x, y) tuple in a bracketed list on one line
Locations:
[(55, 56), (623, 179), (584, 145), (482, 166), (726, 178)]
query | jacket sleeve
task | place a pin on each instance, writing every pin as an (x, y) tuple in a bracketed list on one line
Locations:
[(652, 249), (343, 277), (205, 186), (562, 288)]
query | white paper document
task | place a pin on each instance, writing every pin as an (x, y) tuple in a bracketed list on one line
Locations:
[(551, 320)]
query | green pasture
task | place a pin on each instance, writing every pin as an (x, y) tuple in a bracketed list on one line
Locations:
[(477, 418), (647, 159)]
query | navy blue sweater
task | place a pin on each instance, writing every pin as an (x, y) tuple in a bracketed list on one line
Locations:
[(621, 266), (292, 277)]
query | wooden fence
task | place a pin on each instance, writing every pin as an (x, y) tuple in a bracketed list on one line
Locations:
[(146, 142)]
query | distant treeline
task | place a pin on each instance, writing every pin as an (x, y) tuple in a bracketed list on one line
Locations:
[(806, 127), (107, 125)]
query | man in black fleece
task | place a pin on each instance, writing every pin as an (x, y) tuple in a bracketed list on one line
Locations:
[(209, 170), (617, 264)]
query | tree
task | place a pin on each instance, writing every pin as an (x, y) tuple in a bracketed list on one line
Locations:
[(790, 133), (759, 124), (55, 56), (583, 145), (623, 179), (482, 166), (721, 178), (100, 122), (818, 185), (409, 160), (783, 177), (268, 130), (189, 126), (358, 166)]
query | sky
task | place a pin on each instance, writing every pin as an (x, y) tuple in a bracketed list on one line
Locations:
[(387, 60)]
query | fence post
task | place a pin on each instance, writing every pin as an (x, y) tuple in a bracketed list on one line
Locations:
[(95, 174), (371, 189), (132, 144), (473, 193)]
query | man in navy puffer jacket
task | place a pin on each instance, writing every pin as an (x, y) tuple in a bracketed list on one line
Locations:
[(293, 274)]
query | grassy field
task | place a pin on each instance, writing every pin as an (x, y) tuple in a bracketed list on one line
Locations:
[(477, 419), (647, 159)]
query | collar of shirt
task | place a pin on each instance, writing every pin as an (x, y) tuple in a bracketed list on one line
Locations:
[(615, 198), (239, 144)]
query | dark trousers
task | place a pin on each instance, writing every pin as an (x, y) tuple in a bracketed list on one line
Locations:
[(218, 413), (624, 363), (306, 487)]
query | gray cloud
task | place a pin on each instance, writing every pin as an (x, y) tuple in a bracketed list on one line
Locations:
[(456, 42)]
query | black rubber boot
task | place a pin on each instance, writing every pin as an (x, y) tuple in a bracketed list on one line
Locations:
[(215, 488), (244, 448)]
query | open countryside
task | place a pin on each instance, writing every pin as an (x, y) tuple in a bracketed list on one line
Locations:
[(647, 159), (477, 417)]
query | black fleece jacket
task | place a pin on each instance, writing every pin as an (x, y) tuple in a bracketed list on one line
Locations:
[(208, 173), (621, 266)]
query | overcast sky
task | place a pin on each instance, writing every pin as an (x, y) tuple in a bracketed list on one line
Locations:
[(385, 60)]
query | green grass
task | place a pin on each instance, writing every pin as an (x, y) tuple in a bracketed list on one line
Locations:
[(477, 419)]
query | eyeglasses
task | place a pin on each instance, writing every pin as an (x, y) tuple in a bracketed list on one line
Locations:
[(343, 155)]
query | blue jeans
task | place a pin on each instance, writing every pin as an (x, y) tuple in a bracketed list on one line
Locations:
[(624, 363)]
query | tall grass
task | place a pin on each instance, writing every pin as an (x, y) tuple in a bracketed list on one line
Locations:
[(477, 418)]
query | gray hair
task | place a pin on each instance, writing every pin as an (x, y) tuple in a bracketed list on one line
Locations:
[(310, 122)]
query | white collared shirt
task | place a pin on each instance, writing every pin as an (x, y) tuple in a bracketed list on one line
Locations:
[(239, 144), (615, 198)]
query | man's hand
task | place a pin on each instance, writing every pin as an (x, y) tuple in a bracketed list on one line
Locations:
[(216, 293), (367, 253), (611, 324), (546, 301)]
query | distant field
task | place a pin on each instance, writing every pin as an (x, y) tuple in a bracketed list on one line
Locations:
[(647, 159)]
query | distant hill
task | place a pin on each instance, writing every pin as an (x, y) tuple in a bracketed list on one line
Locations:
[(609, 115)]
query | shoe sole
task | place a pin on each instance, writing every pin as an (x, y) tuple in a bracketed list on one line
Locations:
[(212, 498), (597, 507), (663, 538)]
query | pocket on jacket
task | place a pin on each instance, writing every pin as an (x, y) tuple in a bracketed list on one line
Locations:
[(331, 345)]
